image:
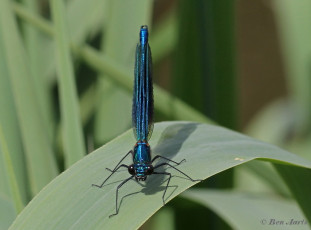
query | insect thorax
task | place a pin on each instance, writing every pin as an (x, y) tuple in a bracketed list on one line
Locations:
[(142, 153)]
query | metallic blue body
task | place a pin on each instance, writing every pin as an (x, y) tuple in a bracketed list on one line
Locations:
[(141, 159), (142, 153), (142, 110), (142, 120)]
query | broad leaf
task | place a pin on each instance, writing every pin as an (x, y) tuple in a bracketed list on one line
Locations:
[(74, 147), (254, 211), (70, 202), (7, 213), (39, 152)]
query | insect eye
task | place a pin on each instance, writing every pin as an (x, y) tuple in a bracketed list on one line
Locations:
[(131, 170), (149, 170)]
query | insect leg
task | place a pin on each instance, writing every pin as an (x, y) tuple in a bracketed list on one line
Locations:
[(158, 156), (131, 151), (168, 182), (112, 172), (163, 164), (117, 193)]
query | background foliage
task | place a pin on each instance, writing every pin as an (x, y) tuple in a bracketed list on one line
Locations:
[(66, 72)]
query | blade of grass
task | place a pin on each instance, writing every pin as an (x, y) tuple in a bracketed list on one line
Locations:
[(293, 18), (163, 38), (207, 71), (249, 210), (7, 213), (38, 56), (14, 188), (10, 126), (4, 183), (70, 202), (38, 21), (273, 123), (163, 219), (260, 176), (86, 18), (40, 160), (119, 42), (74, 147), (294, 178), (87, 104)]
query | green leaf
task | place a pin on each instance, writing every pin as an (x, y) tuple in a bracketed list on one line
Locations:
[(163, 38), (86, 17), (206, 43), (250, 211), (38, 56), (163, 219), (293, 19), (72, 129), (15, 191), (298, 181), (261, 177), (10, 126), (40, 159), (7, 213), (273, 123), (70, 201)]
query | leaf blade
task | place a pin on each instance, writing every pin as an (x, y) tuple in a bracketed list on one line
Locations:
[(14, 188), (74, 147), (41, 162), (256, 211), (70, 201)]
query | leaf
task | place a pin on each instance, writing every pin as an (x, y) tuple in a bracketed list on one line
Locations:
[(163, 38), (10, 126), (40, 159), (163, 219), (72, 128), (12, 182), (86, 17), (273, 123), (250, 211), (298, 181), (7, 213), (293, 20), (206, 43), (38, 57), (70, 202), (260, 176)]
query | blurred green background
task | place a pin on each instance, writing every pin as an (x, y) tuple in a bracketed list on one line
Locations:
[(66, 90)]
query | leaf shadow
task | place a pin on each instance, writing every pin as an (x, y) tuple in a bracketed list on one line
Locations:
[(169, 144), (172, 139)]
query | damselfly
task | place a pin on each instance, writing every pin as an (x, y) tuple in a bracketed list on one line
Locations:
[(142, 121)]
